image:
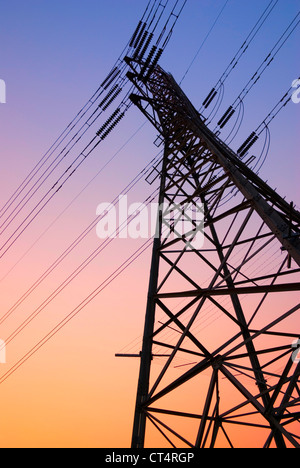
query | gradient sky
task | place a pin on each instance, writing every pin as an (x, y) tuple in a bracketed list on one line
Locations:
[(54, 55)]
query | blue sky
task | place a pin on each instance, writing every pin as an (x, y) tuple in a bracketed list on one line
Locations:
[(55, 54)]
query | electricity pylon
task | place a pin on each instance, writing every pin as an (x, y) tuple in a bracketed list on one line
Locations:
[(226, 312)]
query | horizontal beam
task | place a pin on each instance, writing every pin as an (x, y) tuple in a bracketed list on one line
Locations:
[(273, 288)]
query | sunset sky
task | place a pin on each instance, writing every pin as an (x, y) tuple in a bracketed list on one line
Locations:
[(73, 392)]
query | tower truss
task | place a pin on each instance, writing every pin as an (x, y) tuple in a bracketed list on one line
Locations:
[(223, 316)]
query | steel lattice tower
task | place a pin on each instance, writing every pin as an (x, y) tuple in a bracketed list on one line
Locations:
[(240, 376)]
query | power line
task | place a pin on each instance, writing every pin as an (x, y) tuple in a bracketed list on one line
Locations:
[(264, 126), (204, 41), (60, 139), (78, 270), (100, 90), (259, 72), (80, 238), (112, 277), (64, 178), (104, 131), (77, 196), (130, 260), (236, 59)]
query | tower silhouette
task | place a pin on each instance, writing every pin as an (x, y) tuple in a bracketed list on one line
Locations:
[(226, 312)]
